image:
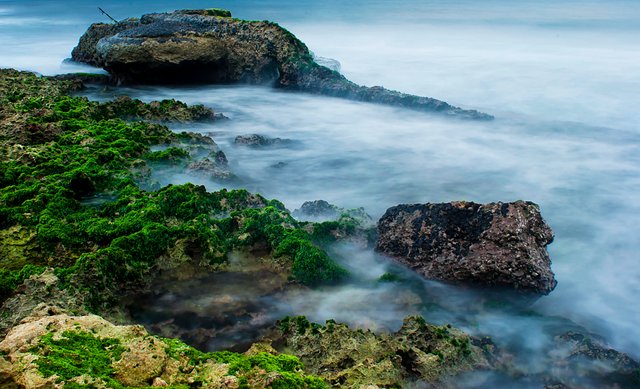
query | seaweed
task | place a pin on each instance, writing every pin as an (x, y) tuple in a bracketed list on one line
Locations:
[(110, 249), (76, 354)]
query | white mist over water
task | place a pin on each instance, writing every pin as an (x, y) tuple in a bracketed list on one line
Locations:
[(562, 78)]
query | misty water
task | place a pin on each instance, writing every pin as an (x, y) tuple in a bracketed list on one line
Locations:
[(562, 79)]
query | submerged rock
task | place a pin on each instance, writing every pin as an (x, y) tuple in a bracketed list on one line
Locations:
[(211, 168), (195, 46), (256, 140), (491, 245), (580, 361), (417, 353), (318, 209), (329, 223), (321, 210)]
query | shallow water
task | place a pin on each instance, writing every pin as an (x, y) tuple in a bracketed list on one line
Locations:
[(562, 79)]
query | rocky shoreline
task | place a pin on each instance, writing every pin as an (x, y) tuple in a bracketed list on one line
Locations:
[(84, 228)]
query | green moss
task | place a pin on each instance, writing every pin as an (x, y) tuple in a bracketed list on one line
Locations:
[(312, 265), (300, 325), (112, 247), (390, 277), (351, 223), (441, 332), (76, 354), (289, 368), (10, 279), (284, 323), (170, 154), (169, 110), (223, 13)]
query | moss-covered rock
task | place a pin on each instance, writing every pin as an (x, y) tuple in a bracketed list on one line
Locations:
[(116, 246), (169, 110), (418, 352), (39, 293), (88, 351)]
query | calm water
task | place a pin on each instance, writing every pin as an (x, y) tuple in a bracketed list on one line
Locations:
[(561, 77)]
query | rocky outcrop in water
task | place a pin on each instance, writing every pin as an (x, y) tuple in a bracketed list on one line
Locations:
[(581, 361), (259, 141), (200, 46), (321, 210), (318, 209), (491, 245)]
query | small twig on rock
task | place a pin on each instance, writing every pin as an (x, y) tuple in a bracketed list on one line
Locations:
[(109, 16)]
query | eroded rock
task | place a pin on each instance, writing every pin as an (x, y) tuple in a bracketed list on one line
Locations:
[(39, 295), (582, 361), (60, 350), (491, 245), (257, 141), (418, 353), (197, 46)]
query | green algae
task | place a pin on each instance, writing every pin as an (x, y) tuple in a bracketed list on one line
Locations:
[(81, 355), (289, 369), (348, 357), (170, 154), (220, 12), (10, 279), (109, 249), (390, 277), (76, 354)]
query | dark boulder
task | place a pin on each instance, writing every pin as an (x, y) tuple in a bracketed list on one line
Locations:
[(196, 46), (491, 245)]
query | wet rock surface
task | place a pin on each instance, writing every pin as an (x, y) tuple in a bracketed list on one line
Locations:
[(62, 350), (258, 141), (580, 361), (417, 354), (321, 210), (84, 78), (318, 209), (491, 245), (226, 309), (196, 46)]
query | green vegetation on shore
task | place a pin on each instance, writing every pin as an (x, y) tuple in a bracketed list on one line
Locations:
[(77, 355), (56, 151)]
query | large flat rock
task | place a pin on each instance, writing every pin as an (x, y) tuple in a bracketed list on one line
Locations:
[(203, 46)]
